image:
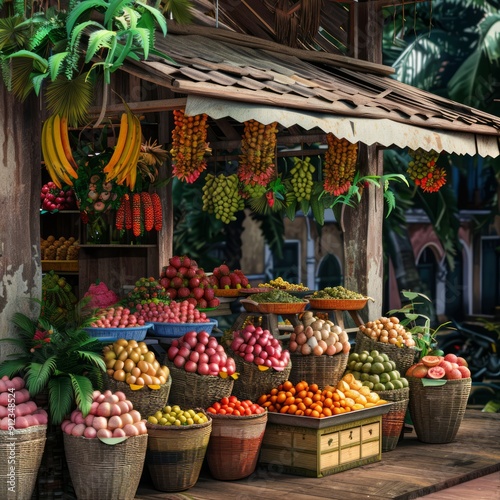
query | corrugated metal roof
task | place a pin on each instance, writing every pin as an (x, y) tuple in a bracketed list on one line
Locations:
[(313, 89)]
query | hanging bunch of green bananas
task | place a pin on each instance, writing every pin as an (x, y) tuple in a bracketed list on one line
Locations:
[(221, 197), (302, 178)]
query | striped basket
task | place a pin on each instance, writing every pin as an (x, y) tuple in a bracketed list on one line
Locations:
[(321, 370)]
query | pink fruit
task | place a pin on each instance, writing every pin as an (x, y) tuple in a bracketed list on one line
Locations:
[(118, 433), (462, 361), (104, 433), (78, 430), (90, 433), (455, 373), (464, 371), (446, 365), (452, 358), (436, 372), (131, 430), (21, 423)]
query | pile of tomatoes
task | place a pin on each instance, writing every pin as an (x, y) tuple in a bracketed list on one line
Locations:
[(233, 406)]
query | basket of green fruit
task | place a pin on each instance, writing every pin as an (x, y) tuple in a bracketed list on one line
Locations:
[(337, 298), (274, 302)]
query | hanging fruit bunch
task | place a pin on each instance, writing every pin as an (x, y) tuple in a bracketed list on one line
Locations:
[(256, 165), (140, 212), (122, 166), (340, 165), (189, 146), (302, 178), (423, 171), (56, 151), (221, 197)]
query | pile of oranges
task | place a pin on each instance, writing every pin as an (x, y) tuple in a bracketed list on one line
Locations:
[(311, 401)]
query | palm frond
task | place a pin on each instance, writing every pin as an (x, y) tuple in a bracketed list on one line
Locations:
[(60, 398), (25, 324), (115, 8), (180, 10), (14, 34), (38, 374), (55, 64), (99, 39), (71, 98), (92, 358), (82, 389), (80, 9), (13, 367)]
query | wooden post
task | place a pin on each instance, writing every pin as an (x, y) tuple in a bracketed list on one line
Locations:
[(20, 183), (362, 226)]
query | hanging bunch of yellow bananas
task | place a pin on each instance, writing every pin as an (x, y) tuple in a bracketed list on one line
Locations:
[(122, 165), (56, 151), (340, 165)]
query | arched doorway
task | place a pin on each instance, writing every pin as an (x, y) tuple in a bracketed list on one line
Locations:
[(329, 272)]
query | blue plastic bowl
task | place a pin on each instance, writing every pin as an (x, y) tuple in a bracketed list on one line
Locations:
[(137, 333), (179, 329)]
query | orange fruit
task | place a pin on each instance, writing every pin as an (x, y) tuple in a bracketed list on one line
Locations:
[(314, 388), (287, 385)]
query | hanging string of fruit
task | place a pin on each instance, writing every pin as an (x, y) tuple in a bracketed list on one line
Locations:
[(256, 162), (302, 178), (221, 197), (340, 165), (189, 146), (140, 212), (422, 169)]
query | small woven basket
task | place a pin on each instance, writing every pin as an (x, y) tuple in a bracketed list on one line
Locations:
[(191, 390), (393, 421), (175, 454), (102, 471), (404, 357), (321, 370), (337, 304), (438, 411), (21, 453), (146, 401), (252, 382), (234, 446), (274, 307)]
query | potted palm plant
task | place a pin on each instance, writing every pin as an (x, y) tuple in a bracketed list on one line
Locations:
[(57, 359)]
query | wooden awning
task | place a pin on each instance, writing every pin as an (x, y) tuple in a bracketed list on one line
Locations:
[(228, 74)]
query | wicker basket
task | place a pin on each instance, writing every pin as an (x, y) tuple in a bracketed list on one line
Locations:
[(438, 411), (322, 370), (234, 445), (337, 304), (274, 307), (404, 357), (227, 292), (176, 453), (102, 471), (23, 450), (191, 390), (252, 382), (146, 401), (393, 421)]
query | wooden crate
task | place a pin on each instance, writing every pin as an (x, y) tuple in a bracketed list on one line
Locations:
[(320, 452)]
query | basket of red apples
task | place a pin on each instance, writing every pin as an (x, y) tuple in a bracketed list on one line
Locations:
[(201, 370)]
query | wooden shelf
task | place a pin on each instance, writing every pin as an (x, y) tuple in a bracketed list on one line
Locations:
[(116, 245), (70, 266)]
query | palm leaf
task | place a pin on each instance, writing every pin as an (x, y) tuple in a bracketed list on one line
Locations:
[(71, 98), (179, 9), (60, 398), (114, 9), (82, 389), (55, 64), (80, 9), (93, 358), (97, 40), (13, 33), (24, 323), (38, 374), (13, 367), (21, 83), (152, 14)]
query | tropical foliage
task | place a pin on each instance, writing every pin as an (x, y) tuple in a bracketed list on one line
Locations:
[(61, 360)]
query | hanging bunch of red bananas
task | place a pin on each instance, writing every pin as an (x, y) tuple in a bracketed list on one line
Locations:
[(189, 146), (139, 212), (258, 144), (340, 165), (423, 171)]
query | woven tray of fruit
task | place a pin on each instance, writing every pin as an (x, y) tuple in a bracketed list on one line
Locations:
[(337, 298), (274, 302)]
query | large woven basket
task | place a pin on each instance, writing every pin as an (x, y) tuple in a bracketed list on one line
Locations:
[(176, 453), (252, 382), (321, 370), (21, 453), (393, 421), (146, 401), (234, 446), (102, 471), (274, 307), (337, 304), (438, 411), (191, 390), (404, 357)]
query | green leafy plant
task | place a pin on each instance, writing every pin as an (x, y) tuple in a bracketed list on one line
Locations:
[(417, 323), (65, 362)]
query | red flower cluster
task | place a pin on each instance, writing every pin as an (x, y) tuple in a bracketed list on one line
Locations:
[(41, 336), (433, 181)]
